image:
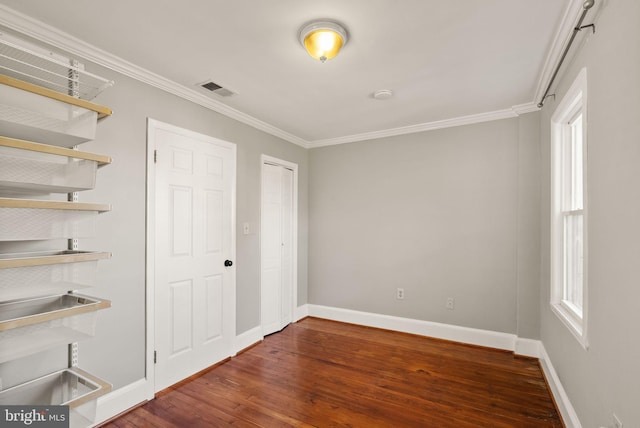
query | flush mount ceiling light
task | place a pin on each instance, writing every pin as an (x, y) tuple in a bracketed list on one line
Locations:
[(323, 39)]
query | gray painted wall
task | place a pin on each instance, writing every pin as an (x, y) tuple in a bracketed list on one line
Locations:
[(435, 213), (117, 353), (604, 378), (528, 251)]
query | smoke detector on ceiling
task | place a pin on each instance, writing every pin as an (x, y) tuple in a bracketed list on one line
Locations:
[(217, 89), (382, 94)]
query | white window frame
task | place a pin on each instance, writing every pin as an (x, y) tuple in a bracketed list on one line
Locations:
[(572, 105)]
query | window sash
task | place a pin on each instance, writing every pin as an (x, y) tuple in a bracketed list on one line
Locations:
[(571, 164), (573, 261), (572, 233)]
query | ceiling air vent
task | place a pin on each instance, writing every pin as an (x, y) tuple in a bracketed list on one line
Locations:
[(217, 89)]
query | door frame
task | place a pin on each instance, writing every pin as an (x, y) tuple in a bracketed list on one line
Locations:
[(152, 126), (266, 159)]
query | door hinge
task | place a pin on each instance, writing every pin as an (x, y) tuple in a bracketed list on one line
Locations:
[(155, 357), (155, 156)]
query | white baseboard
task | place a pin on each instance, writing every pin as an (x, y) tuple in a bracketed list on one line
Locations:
[(468, 335), (301, 312), (527, 347), (122, 399), (567, 411), (253, 336), (246, 339)]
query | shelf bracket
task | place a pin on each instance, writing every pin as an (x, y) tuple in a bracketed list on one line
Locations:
[(72, 244), (73, 354)]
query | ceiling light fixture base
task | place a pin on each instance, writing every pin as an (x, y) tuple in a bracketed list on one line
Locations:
[(323, 39)]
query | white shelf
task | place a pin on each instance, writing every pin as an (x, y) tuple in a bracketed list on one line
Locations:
[(27, 275), (69, 387), (34, 113), (29, 219), (28, 168), (33, 64), (33, 325)]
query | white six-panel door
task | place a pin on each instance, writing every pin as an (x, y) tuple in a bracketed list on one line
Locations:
[(277, 247), (194, 237)]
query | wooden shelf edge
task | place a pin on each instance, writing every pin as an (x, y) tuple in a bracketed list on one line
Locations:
[(103, 388), (59, 96), (53, 150), (31, 261), (52, 205), (14, 323)]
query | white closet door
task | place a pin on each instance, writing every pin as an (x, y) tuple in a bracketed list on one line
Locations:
[(286, 302), (277, 248)]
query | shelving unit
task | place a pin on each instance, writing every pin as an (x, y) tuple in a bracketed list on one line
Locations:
[(44, 113)]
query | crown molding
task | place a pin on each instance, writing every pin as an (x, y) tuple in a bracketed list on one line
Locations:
[(521, 109), (45, 33), (512, 112)]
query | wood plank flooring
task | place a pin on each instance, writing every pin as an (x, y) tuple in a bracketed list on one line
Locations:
[(319, 373)]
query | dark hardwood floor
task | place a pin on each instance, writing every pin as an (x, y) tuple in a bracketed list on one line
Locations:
[(319, 373)]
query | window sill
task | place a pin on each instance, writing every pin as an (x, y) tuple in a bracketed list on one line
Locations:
[(568, 319)]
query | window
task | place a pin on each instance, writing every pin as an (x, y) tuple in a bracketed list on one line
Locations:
[(568, 209)]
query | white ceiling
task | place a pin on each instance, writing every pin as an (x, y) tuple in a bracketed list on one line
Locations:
[(443, 59)]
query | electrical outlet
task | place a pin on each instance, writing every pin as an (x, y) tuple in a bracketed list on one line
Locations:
[(450, 303), (400, 293), (616, 421)]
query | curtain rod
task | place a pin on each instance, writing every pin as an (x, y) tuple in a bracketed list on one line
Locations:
[(588, 4)]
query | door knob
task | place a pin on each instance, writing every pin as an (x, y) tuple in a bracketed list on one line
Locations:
[(228, 263)]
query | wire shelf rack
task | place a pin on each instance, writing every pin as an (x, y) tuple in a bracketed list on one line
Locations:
[(49, 71)]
